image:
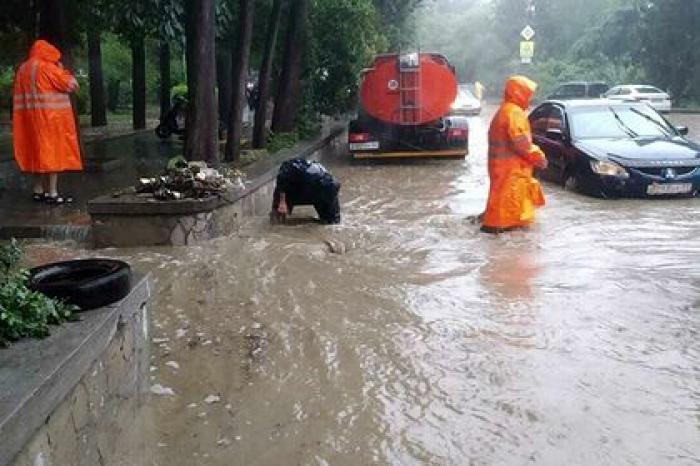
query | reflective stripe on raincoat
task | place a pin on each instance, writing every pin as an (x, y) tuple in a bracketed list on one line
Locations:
[(514, 192), (44, 136)]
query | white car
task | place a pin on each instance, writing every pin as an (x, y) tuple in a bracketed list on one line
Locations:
[(465, 103), (655, 97)]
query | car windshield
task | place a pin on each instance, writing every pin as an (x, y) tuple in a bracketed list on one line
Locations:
[(648, 90), (618, 121), (465, 93)]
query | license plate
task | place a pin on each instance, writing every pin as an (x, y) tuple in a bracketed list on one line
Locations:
[(670, 188), (373, 145)]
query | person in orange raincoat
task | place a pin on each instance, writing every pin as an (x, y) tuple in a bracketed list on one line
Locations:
[(514, 192), (44, 134)]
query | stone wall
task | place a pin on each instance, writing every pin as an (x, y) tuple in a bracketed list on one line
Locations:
[(124, 230), (84, 427), (130, 221)]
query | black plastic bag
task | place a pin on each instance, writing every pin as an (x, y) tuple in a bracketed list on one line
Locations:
[(308, 183)]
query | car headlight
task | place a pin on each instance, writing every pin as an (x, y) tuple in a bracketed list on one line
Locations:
[(608, 169)]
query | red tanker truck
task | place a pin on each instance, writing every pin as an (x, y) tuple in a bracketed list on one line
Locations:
[(405, 101)]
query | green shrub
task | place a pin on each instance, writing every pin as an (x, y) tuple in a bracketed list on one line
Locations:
[(179, 90), (278, 141), (7, 76), (23, 312)]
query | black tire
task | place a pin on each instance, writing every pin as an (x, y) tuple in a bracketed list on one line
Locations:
[(163, 132), (88, 283)]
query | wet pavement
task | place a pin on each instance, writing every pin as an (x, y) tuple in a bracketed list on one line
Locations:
[(110, 165), (405, 336)]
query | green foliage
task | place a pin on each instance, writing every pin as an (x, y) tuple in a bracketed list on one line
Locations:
[(670, 46), (550, 73), (7, 76), (345, 37), (10, 255), (279, 141), (179, 91), (23, 312), (618, 41)]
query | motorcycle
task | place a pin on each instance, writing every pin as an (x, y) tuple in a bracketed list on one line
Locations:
[(175, 121)]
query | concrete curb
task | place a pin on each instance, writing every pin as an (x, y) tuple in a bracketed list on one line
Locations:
[(36, 375)]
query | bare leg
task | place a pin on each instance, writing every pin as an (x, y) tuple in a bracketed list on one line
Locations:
[(53, 184), (38, 184)]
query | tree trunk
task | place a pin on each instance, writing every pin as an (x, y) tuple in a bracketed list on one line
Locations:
[(260, 127), (201, 141), (98, 112), (113, 91), (224, 77), (164, 61), (284, 118), (53, 26), (138, 81), (240, 78)]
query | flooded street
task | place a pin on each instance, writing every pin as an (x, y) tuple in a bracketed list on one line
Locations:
[(405, 336)]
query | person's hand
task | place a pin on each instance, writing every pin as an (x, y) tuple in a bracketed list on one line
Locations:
[(282, 208), (541, 163)]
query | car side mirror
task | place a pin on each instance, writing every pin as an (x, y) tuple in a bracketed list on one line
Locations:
[(555, 135), (682, 130)]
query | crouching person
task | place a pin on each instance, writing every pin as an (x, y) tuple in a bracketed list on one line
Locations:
[(300, 182)]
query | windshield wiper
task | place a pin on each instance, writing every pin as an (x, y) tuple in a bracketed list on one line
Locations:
[(657, 123), (630, 132)]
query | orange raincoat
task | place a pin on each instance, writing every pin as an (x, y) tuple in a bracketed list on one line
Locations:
[(514, 193), (44, 136)]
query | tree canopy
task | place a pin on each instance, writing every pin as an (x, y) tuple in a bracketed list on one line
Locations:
[(614, 40)]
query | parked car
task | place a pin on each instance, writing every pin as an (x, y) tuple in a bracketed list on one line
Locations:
[(465, 103), (608, 148), (579, 90), (654, 96)]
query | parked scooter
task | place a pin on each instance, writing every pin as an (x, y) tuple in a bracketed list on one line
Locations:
[(176, 119)]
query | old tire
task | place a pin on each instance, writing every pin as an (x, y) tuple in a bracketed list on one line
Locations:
[(88, 283)]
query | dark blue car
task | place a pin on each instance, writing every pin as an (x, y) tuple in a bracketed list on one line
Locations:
[(614, 149)]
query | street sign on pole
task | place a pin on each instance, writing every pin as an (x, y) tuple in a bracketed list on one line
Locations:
[(527, 51), (527, 33)]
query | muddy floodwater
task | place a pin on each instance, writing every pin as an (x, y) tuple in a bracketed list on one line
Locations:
[(404, 336)]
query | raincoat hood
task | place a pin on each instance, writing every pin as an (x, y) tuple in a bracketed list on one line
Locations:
[(519, 91), (44, 51)]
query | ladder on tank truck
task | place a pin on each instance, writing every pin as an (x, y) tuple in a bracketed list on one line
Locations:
[(410, 88)]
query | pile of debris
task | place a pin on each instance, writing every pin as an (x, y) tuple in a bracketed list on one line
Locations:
[(190, 180)]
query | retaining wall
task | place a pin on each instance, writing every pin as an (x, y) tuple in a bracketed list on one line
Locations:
[(67, 399)]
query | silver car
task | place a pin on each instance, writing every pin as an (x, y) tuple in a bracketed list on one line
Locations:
[(655, 97), (465, 103)]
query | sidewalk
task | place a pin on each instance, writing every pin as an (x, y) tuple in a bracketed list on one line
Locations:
[(113, 164)]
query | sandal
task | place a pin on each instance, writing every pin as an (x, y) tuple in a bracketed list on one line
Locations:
[(58, 199)]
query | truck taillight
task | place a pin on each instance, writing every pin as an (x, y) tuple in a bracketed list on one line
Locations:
[(457, 133), (358, 137)]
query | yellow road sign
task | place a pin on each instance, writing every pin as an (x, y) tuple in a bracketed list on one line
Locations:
[(527, 49)]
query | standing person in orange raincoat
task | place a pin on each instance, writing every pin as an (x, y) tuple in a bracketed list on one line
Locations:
[(44, 135), (514, 192)]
